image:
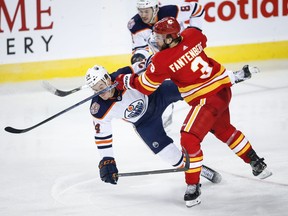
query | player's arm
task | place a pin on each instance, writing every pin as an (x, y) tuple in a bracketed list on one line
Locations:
[(103, 140), (136, 68), (124, 70), (193, 13), (146, 83), (140, 48)]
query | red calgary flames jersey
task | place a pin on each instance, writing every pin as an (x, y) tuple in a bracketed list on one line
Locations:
[(187, 65)]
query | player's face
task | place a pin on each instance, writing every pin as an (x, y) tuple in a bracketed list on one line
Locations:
[(100, 86), (160, 41), (146, 14)]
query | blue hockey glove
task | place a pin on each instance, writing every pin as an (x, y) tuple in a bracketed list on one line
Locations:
[(108, 170), (137, 57)]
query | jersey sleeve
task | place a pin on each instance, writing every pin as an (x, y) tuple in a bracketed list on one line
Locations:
[(103, 137), (102, 126), (139, 35), (151, 79), (191, 14), (139, 44), (124, 70)]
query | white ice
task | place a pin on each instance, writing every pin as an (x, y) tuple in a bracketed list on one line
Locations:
[(52, 169)]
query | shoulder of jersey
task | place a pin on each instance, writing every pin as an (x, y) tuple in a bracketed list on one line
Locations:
[(167, 10), (191, 31), (135, 24), (99, 107)]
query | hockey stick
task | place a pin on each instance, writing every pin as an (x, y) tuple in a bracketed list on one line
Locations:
[(17, 131), (59, 92), (211, 174), (152, 172), (62, 93), (206, 172)]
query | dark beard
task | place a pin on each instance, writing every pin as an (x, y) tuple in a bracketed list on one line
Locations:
[(163, 47)]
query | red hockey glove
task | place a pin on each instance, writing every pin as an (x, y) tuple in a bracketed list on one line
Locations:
[(125, 81)]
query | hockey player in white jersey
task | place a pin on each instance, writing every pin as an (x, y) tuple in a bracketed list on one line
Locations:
[(134, 107), (149, 12)]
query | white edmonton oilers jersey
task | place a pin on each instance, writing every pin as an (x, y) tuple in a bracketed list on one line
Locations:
[(189, 14), (129, 105)]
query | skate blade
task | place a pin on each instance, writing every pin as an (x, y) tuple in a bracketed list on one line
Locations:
[(191, 203), (265, 174)]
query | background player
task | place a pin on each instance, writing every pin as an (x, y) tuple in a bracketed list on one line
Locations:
[(149, 12)]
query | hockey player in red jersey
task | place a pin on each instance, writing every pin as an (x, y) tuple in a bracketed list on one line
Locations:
[(205, 85)]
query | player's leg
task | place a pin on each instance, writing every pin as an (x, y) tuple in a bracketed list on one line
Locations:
[(169, 94), (168, 115), (152, 132), (197, 124), (238, 143)]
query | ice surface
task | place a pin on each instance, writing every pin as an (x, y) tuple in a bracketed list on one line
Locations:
[(52, 170)]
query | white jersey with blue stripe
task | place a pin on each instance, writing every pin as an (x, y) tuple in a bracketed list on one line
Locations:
[(129, 105), (189, 14)]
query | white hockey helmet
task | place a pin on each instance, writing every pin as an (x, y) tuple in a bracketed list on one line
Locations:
[(95, 74), (141, 4)]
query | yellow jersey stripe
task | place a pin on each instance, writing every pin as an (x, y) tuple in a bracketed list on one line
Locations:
[(194, 115), (206, 90), (244, 149), (195, 86), (236, 142)]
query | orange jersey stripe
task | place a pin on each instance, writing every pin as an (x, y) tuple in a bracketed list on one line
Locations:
[(103, 142), (198, 11)]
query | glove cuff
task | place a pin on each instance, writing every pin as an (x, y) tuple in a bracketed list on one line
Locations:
[(105, 161), (127, 81)]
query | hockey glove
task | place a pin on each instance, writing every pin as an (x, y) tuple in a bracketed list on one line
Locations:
[(108, 170), (139, 67), (137, 57), (125, 81)]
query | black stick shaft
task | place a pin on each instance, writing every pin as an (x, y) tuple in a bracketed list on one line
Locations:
[(18, 131)]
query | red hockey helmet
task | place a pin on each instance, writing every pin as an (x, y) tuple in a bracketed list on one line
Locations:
[(168, 25)]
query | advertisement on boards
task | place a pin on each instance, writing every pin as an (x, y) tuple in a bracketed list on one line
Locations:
[(39, 30)]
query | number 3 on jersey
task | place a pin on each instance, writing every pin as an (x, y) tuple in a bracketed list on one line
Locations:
[(198, 64)]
